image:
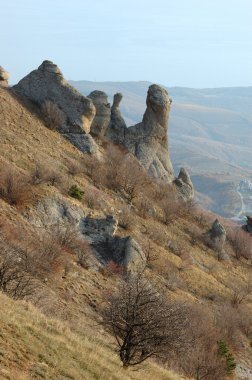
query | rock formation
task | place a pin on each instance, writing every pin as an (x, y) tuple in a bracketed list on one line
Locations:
[(47, 83), (184, 185), (217, 236), (108, 247), (148, 140), (101, 121), (117, 127), (4, 77), (248, 227)]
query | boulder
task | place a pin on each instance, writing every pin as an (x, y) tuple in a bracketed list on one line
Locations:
[(4, 77), (48, 84), (101, 121), (108, 247), (184, 185), (217, 236)]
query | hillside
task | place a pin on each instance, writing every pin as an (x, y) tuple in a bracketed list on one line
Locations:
[(56, 331), (210, 132)]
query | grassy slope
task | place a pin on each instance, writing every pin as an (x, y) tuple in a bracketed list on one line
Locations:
[(35, 347), (28, 337)]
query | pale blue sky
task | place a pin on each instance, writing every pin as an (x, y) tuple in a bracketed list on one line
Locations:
[(194, 43)]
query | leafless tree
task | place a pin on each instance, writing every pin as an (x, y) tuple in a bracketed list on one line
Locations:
[(15, 280), (143, 323)]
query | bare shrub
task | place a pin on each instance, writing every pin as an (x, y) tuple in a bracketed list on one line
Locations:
[(172, 208), (157, 235), (94, 198), (150, 253), (66, 235), (201, 359), (227, 323), (144, 207), (239, 295), (45, 255), (143, 322), (74, 167), (124, 174), (14, 278), (53, 116), (195, 234), (126, 218), (173, 281), (241, 243), (245, 321), (43, 173), (83, 252), (14, 187)]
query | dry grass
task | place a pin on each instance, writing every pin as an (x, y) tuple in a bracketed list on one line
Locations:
[(33, 346)]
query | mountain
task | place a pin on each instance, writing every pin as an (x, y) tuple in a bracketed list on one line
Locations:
[(75, 228), (210, 133)]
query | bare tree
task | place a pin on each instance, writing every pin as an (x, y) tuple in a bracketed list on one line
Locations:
[(143, 322), (15, 280)]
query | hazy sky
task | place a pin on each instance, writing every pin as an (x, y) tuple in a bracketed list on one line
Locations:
[(196, 43)]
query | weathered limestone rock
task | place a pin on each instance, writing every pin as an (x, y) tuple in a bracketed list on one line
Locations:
[(101, 121), (127, 252), (47, 83), (148, 140), (4, 77), (184, 185), (99, 229), (248, 227), (101, 235), (217, 236), (85, 143), (53, 211), (117, 127)]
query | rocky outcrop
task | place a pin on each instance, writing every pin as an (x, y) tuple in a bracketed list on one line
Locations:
[(148, 140), (184, 185), (54, 211), (48, 84), (217, 236), (117, 127), (248, 227), (101, 121), (85, 143), (4, 77), (108, 247)]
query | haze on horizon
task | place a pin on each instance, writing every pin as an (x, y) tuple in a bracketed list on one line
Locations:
[(190, 43)]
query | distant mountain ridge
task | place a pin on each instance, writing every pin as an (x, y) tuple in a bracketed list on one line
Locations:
[(210, 130)]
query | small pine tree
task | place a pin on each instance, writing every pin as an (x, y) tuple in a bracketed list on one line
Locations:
[(76, 192), (230, 360)]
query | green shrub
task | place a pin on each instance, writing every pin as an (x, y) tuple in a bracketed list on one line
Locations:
[(224, 351), (76, 192)]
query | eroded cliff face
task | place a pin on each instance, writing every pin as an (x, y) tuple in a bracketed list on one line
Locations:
[(48, 84)]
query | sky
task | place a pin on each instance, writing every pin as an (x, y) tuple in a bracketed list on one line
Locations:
[(190, 43)]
